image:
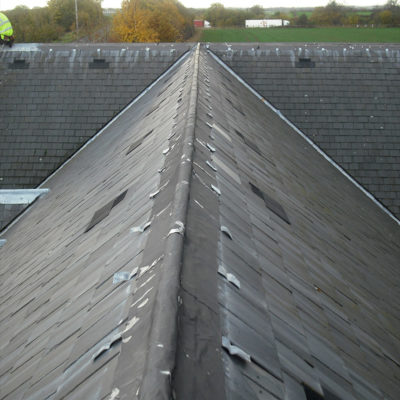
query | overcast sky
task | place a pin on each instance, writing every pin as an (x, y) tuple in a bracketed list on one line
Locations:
[(10, 4)]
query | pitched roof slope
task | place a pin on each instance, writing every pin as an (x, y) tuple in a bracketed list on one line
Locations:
[(57, 96), (81, 280), (245, 265), (343, 96)]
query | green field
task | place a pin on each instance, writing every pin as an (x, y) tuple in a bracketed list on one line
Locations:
[(343, 35)]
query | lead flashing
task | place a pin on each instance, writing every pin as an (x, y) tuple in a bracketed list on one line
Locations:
[(20, 196)]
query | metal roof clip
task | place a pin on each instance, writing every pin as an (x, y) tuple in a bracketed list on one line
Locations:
[(211, 148), (154, 194), (226, 231), (216, 190), (235, 350), (141, 228), (179, 228), (211, 166), (124, 275)]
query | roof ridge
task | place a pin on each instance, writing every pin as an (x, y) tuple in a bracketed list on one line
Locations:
[(165, 327)]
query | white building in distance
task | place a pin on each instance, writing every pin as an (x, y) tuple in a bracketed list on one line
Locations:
[(265, 23)]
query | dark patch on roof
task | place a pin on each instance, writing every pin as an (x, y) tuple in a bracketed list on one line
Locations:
[(99, 63), (104, 211), (270, 203), (305, 63), (18, 64)]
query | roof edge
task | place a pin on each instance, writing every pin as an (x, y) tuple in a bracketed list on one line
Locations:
[(305, 137), (165, 327)]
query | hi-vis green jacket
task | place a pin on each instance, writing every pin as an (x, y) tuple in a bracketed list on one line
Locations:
[(5, 26)]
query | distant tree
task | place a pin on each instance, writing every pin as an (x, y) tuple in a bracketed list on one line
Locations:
[(90, 14), (386, 18), (34, 25), (394, 8), (301, 20), (353, 20), (332, 14), (216, 14), (152, 21), (257, 12), (219, 16), (387, 15)]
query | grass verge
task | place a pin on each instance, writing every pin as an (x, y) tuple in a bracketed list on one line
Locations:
[(337, 34)]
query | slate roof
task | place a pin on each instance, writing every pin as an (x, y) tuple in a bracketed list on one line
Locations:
[(58, 96), (200, 248), (8, 212), (345, 97)]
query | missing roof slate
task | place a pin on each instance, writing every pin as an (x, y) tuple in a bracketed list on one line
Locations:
[(18, 64), (311, 394), (249, 143), (305, 63), (328, 395), (256, 191), (119, 198), (99, 215), (270, 203), (103, 212), (138, 142), (134, 145), (99, 63)]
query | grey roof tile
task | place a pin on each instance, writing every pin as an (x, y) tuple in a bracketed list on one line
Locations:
[(230, 300), (343, 82), (58, 88)]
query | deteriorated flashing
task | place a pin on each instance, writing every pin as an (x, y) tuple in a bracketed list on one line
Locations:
[(20, 196)]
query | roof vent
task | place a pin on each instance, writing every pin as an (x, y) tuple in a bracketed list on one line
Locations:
[(99, 63), (18, 64), (305, 63)]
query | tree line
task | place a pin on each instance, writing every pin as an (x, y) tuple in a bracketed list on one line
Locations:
[(333, 14), (168, 20), (137, 21), (51, 23)]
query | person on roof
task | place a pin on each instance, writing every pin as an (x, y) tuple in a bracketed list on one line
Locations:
[(6, 31)]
